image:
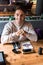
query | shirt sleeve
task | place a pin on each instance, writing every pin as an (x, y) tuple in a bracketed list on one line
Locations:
[(31, 34), (7, 35)]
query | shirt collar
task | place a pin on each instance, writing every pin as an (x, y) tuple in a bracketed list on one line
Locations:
[(18, 27)]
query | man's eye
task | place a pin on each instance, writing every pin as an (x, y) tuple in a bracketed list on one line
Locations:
[(22, 15)]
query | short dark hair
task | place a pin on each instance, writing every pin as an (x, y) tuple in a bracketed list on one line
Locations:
[(21, 7)]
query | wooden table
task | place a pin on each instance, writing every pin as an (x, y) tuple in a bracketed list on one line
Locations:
[(22, 59)]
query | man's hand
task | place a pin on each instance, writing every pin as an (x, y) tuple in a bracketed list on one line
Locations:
[(20, 32)]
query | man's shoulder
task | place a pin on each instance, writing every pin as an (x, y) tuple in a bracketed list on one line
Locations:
[(27, 23), (10, 23)]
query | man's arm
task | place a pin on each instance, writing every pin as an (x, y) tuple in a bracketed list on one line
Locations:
[(31, 34), (7, 36)]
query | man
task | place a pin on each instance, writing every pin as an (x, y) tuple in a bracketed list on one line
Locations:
[(18, 29)]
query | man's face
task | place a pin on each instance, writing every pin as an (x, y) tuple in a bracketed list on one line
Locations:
[(19, 16)]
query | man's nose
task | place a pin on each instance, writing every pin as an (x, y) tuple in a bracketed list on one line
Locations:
[(19, 17)]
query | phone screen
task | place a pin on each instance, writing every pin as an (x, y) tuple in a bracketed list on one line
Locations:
[(1, 57)]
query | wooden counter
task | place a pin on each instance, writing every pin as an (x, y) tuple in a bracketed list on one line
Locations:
[(6, 13), (22, 59)]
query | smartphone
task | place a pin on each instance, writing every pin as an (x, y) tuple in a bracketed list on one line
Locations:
[(2, 58)]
